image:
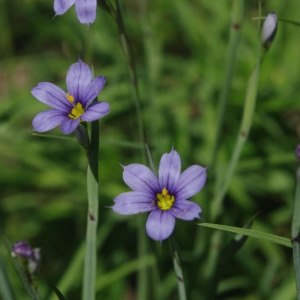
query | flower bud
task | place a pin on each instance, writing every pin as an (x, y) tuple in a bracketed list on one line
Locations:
[(297, 152), (27, 254), (269, 29)]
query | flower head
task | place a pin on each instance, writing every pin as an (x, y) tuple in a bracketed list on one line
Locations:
[(269, 29), (164, 197), (68, 109), (22, 250), (85, 9)]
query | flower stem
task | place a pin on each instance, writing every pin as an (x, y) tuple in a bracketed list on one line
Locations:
[(234, 39), (90, 263), (244, 130), (296, 233), (127, 49), (6, 289), (177, 268)]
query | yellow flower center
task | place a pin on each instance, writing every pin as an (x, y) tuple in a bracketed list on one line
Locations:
[(77, 109), (164, 200)]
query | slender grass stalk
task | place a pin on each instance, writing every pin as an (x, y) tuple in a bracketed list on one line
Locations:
[(233, 46), (177, 269), (296, 234), (244, 130), (232, 50), (241, 139), (6, 289), (72, 274), (90, 263), (127, 50)]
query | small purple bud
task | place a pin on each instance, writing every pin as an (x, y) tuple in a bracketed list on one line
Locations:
[(22, 249), (269, 29), (297, 152), (32, 255)]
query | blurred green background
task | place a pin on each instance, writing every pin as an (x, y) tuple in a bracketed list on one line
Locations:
[(180, 54)]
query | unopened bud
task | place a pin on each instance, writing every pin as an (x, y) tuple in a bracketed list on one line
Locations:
[(22, 250), (297, 152), (269, 29)]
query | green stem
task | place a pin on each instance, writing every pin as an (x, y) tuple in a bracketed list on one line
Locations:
[(127, 49), (6, 289), (142, 238), (296, 234), (90, 263), (234, 39), (244, 130), (177, 269)]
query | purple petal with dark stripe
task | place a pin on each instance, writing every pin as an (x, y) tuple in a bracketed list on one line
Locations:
[(186, 210), (95, 111), (133, 203), (47, 120), (61, 6), (79, 77), (140, 178), (86, 10), (93, 90), (160, 225), (169, 170), (69, 125), (52, 95), (190, 182)]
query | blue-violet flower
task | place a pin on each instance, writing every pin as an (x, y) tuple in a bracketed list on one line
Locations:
[(68, 109), (165, 197), (85, 9)]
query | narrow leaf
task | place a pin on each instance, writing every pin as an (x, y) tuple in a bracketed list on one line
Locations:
[(252, 233)]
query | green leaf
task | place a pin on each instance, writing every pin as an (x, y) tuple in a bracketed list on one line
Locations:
[(252, 233)]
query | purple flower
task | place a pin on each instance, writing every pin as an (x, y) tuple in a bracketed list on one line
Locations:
[(24, 251), (165, 197), (85, 9), (68, 109)]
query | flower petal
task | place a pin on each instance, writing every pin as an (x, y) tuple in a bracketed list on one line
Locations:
[(69, 125), (52, 95), (93, 90), (79, 76), (160, 225), (186, 210), (140, 178), (86, 10), (133, 203), (47, 120), (190, 182), (61, 6), (95, 111), (169, 170)]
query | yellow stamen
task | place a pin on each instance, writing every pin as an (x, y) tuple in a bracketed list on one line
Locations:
[(77, 109), (164, 200), (70, 98)]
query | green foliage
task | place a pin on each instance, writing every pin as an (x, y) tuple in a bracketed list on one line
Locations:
[(179, 49)]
